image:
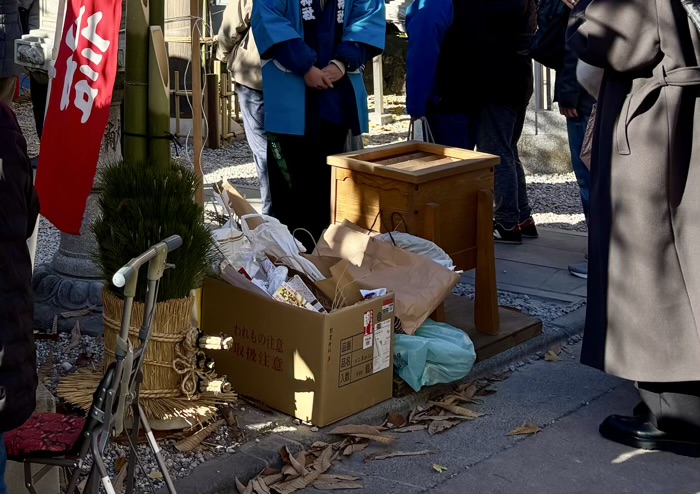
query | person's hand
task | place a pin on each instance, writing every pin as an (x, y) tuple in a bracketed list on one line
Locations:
[(569, 112), (317, 79), (333, 72), (570, 3)]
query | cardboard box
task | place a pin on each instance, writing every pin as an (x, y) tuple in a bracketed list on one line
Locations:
[(319, 368)]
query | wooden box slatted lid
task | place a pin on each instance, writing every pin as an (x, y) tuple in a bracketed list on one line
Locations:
[(413, 161)]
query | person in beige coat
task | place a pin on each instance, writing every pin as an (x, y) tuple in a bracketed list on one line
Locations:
[(643, 312), (236, 47)]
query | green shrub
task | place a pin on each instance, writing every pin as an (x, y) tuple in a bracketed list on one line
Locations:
[(140, 206)]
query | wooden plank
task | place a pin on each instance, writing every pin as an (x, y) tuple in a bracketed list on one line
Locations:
[(516, 327), (402, 157), (486, 316), (387, 161)]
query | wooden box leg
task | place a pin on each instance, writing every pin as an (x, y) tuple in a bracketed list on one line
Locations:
[(432, 232), (486, 300)]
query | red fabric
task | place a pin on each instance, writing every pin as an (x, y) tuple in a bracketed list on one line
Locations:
[(44, 434), (78, 110)]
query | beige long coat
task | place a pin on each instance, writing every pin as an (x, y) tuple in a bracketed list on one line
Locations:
[(644, 241)]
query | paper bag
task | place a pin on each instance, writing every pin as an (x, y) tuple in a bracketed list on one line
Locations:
[(339, 286), (420, 284)]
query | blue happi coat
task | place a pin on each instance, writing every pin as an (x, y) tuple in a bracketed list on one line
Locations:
[(280, 21)]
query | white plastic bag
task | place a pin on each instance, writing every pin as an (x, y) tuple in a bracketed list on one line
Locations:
[(274, 239), (236, 248), (418, 246), (436, 353)]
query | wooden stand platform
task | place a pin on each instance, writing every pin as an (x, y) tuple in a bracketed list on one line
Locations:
[(445, 195)]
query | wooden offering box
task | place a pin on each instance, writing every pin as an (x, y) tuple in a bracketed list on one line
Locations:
[(439, 193)]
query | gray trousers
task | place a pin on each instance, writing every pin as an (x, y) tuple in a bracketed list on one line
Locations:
[(500, 128), (675, 407)]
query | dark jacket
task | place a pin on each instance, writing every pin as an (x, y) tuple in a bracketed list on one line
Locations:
[(567, 90), (444, 61), (10, 30), (19, 208), (506, 33)]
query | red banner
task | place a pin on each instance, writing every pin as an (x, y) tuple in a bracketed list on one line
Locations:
[(78, 110)]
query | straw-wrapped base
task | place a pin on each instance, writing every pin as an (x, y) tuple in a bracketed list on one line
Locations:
[(172, 321), (77, 389), (161, 392)]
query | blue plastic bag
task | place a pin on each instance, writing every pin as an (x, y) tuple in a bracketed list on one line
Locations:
[(436, 353)]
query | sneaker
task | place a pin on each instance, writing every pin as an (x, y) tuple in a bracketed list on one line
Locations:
[(528, 228), (505, 235), (580, 270)]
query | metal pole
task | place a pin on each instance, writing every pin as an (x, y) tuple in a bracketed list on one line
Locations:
[(378, 80)]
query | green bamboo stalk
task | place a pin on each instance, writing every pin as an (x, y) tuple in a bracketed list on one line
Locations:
[(136, 82), (158, 98), (157, 14)]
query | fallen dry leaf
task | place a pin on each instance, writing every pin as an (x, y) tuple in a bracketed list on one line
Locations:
[(299, 463), (192, 442), (243, 489), (397, 454), (320, 466), (120, 463), (156, 474), (354, 448), (260, 487), (349, 430), (551, 356), (438, 426), (74, 337), (271, 480), (412, 428), (439, 468), (525, 430), (457, 410), (364, 432), (118, 484), (467, 390)]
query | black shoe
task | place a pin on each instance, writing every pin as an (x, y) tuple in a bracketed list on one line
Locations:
[(637, 432), (505, 235), (642, 411), (528, 228)]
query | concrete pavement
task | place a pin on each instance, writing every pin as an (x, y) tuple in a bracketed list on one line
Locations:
[(568, 401)]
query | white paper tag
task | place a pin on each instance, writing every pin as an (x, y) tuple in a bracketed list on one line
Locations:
[(382, 346)]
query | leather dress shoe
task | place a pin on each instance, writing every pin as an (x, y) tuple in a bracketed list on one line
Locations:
[(642, 410), (638, 432)]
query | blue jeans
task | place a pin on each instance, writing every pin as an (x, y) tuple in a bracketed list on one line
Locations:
[(453, 129), (500, 129), (253, 110), (576, 128), (3, 464)]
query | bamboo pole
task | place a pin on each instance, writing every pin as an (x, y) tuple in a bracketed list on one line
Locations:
[(136, 82), (157, 14), (196, 26), (158, 99)]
